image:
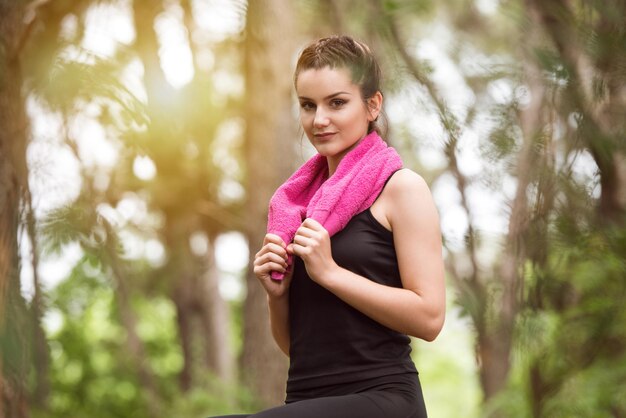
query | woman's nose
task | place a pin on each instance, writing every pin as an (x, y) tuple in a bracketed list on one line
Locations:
[(321, 119)]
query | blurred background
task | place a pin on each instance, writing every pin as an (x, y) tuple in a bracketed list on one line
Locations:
[(140, 141)]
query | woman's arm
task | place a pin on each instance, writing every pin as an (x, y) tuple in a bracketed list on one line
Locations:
[(273, 257), (279, 321), (418, 308)]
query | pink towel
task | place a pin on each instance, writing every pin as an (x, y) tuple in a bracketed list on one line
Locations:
[(355, 185)]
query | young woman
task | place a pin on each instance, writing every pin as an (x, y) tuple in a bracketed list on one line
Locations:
[(343, 311)]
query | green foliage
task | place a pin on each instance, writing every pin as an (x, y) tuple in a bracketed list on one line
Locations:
[(72, 82), (67, 224), (92, 373), (569, 352), (447, 369), (15, 341), (214, 397)]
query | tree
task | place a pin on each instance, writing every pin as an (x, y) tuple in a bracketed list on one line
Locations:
[(67, 86), (571, 277), (192, 284), (15, 359), (595, 83), (269, 156), (543, 296)]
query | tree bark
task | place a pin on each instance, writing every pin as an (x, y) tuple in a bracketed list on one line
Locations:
[(184, 320), (202, 314), (128, 319), (14, 348), (215, 318), (41, 354), (269, 148)]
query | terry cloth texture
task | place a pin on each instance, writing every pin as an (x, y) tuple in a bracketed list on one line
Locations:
[(332, 202)]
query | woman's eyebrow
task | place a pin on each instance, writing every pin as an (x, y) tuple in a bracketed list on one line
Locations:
[(330, 96)]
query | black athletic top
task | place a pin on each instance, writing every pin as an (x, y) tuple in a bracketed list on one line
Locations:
[(332, 343)]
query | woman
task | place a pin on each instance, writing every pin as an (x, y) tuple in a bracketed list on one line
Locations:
[(343, 310)]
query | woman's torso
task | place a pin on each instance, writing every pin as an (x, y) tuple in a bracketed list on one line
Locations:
[(331, 342)]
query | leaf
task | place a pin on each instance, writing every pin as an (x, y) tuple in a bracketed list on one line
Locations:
[(68, 223)]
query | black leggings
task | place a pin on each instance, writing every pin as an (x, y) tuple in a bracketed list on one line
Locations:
[(401, 398)]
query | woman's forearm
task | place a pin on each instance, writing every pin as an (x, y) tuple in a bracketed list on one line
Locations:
[(400, 309), (279, 321)]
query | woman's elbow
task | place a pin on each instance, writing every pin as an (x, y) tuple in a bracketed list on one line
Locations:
[(433, 332), (431, 328)]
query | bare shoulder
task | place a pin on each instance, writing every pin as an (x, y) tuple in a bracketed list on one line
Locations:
[(409, 198), (407, 181), (401, 197)]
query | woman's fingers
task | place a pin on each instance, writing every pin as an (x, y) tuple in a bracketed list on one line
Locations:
[(312, 229), (313, 225), (303, 245), (305, 231), (267, 268), (273, 238), (270, 260), (272, 256), (268, 249), (304, 240), (272, 248), (303, 250), (276, 258)]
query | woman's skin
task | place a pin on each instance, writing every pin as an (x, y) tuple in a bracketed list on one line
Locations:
[(335, 118)]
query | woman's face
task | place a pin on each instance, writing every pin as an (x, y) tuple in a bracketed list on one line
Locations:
[(332, 111)]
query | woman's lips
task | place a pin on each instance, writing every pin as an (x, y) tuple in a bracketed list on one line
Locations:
[(324, 135)]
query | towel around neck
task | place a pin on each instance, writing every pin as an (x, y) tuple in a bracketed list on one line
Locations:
[(334, 200)]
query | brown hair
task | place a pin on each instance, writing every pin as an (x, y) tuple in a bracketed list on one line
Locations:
[(344, 52)]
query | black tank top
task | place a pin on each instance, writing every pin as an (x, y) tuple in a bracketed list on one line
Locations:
[(332, 343)]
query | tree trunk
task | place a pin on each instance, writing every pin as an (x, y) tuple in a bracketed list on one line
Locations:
[(134, 343), (14, 337), (602, 108), (214, 317), (184, 320), (202, 315), (128, 320), (41, 354), (270, 137)]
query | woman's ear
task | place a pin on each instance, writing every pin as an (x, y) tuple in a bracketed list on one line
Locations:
[(374, 105)]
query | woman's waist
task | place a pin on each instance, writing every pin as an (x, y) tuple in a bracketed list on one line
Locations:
[(336, 363), (335, 347), (398, 379)]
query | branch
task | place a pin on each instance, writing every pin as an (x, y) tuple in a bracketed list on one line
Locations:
[(453, 131), (559, 23), (28, 19)]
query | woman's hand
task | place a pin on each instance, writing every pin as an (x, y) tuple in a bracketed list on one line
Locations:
[(272, 257), (312, 244)]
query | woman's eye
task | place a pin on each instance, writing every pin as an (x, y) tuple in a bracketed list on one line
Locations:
[(337, 103), (307, 105)]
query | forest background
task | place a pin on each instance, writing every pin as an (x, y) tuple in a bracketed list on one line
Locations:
[(140, 142)]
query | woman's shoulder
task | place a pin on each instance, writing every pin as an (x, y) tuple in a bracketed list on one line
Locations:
[(402, 194), (405, 181)]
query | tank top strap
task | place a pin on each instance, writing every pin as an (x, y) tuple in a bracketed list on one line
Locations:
[(387, 181)]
